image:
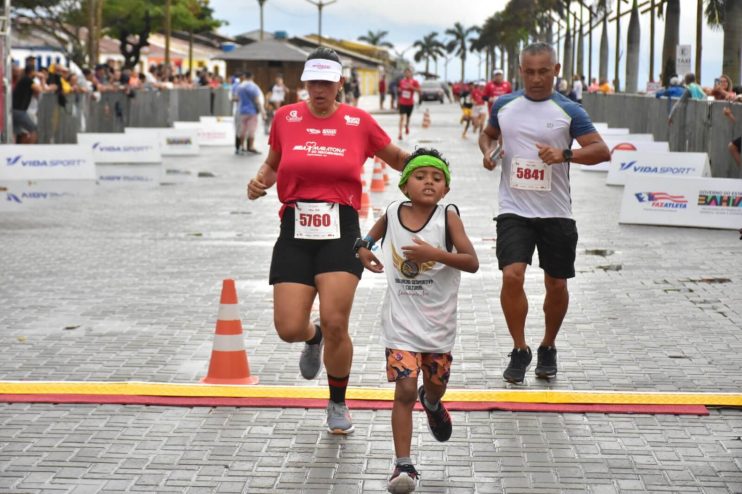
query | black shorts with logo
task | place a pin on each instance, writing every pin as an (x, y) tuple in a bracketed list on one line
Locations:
[(406, 110), (300, 260), (555, 238)]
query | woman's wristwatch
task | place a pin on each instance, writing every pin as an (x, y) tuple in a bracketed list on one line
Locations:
[(366, 242)]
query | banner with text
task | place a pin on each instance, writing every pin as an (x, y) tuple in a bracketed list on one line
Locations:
[(619, 143), (211, 132), (676, 201), (122, 148), (646, 164), (46, 162), (173, 142)]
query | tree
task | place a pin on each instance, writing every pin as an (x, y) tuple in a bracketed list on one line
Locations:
[(376, 39), (429, 47), (63, 20), (194, 17), (732, 39), (632, 50), (602, 8), (670, 41), (458, 45)]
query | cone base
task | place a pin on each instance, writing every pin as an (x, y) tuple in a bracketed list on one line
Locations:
[(240, 380)]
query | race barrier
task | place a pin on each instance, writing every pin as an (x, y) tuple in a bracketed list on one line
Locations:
[(619, 143), (212, 132), (681, 201), (122, 148), (173, 142), (646, 164), (37, 174), (614, 131)]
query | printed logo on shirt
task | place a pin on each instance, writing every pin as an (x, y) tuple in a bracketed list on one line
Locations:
[(293, 116), (410, 269), (313, 131), (353, 121), (313, 149), (329, 132)]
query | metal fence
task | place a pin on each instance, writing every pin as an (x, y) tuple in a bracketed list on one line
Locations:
[(59, 124), (698, 126)]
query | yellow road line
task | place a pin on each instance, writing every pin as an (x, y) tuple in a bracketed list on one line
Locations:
[(135, 388)]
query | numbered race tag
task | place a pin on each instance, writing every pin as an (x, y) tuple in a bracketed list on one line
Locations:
[(406, 94), (316, 221), (530, 175)]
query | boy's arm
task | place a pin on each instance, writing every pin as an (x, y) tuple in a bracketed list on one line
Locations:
[(465, 258), (367, 258)]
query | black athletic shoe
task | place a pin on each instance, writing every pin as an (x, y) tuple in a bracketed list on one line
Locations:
[(546, 365), (520, 361), (439, 421)]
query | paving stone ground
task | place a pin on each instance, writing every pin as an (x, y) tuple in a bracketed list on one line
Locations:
[(123, 285)]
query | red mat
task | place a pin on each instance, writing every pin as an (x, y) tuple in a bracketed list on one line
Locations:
[(465, 406)]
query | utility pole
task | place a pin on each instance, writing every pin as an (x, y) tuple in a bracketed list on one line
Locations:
[(320, 5), (699, 38), (167, 35), (6, 129), (261, 3), (616, 80)]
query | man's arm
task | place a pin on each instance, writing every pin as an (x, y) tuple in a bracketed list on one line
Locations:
[(488, 140), (593, 151)]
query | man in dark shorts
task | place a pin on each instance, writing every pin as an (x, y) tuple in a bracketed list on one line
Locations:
[(406, 100), (24, 89), (536, 127)]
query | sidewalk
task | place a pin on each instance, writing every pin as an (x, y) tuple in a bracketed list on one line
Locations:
[(124, 286)]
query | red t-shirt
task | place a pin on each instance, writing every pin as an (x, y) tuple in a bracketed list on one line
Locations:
[(406, 91), (477, 96), (322, 158), (496, 90)]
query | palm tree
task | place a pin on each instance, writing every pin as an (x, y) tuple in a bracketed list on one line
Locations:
[(670, 41), (732, 38), (376, 39), (429, 47), (261, 3), (568, 50), (601, 8), (632, 50), (458, 45)]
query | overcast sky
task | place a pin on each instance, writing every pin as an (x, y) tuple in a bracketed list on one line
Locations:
[(410, 20)]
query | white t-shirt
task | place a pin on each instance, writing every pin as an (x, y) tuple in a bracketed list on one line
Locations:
[(278, 94), (419, 311), (523, 123), (577, 88)]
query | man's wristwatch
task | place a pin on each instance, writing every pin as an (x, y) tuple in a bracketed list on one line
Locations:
[(567, 153), (362, 242)]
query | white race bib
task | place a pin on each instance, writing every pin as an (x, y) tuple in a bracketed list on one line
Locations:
[(316, 220), (530, 175), (406, 94)]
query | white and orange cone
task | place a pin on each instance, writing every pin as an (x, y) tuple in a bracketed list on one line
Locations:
[(426, 119), (228, 356), (377, 179), (365, 199)]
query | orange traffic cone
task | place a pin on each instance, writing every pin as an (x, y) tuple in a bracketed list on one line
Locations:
[(377, 179), (385, 172), (228, 357), (365, 200), (426, 119)]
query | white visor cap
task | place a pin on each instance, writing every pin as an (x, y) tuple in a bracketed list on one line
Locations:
[(319, 69)]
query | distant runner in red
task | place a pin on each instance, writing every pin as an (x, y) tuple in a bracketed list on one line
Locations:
[(407, 89), (497, 87)]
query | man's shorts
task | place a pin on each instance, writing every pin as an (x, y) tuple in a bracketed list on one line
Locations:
[(738, 143), (248, 124), (400, 364), (406, 110), (466, 112), (555, 238), (22, 123), (479, 110), (300, 260)]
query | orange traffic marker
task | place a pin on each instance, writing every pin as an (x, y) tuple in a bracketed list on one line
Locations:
[(426, 119), (228, 356), (377, 179), (385, 172), (365, 200)]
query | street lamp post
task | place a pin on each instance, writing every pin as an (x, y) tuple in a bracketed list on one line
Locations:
[(320, 5), (6, 132)]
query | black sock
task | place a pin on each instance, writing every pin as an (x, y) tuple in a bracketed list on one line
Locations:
[(317, 338), (338, 386), (237, 143)]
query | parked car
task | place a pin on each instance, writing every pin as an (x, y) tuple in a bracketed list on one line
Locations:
[(431, 91)]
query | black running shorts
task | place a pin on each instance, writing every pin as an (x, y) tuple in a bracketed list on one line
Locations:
[(555, 238), (300, 260), (406, 110)]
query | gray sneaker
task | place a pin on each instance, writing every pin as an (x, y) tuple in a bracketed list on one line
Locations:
[(338, 418), (310, 362)]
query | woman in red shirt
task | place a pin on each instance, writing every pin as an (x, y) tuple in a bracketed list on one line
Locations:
[(317, 151)]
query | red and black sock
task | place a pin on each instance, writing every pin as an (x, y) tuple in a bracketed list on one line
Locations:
[(338, 386)]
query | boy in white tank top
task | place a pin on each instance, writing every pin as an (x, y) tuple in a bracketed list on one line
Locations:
[(424, 248)]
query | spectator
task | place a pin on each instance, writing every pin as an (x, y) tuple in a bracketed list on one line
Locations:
[(578, 87), (277, 94), (674, 90), (723, 89), (605, 87), (382, 91), (24, 89), (594, 87), (695, 91)]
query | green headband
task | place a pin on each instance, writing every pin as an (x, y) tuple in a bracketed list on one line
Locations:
[(421, 161)]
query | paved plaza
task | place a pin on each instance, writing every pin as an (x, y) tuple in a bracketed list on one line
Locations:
[(124, 284)]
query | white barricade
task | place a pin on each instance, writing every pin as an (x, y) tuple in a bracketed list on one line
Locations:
[(173, 142), (212, 132), (617, 143), (21, 194), (675, 201), (646, 164), (122, 148), (46, 162), (616, 131)]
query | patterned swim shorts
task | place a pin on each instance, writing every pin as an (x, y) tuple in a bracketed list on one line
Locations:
[(400, 364)]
